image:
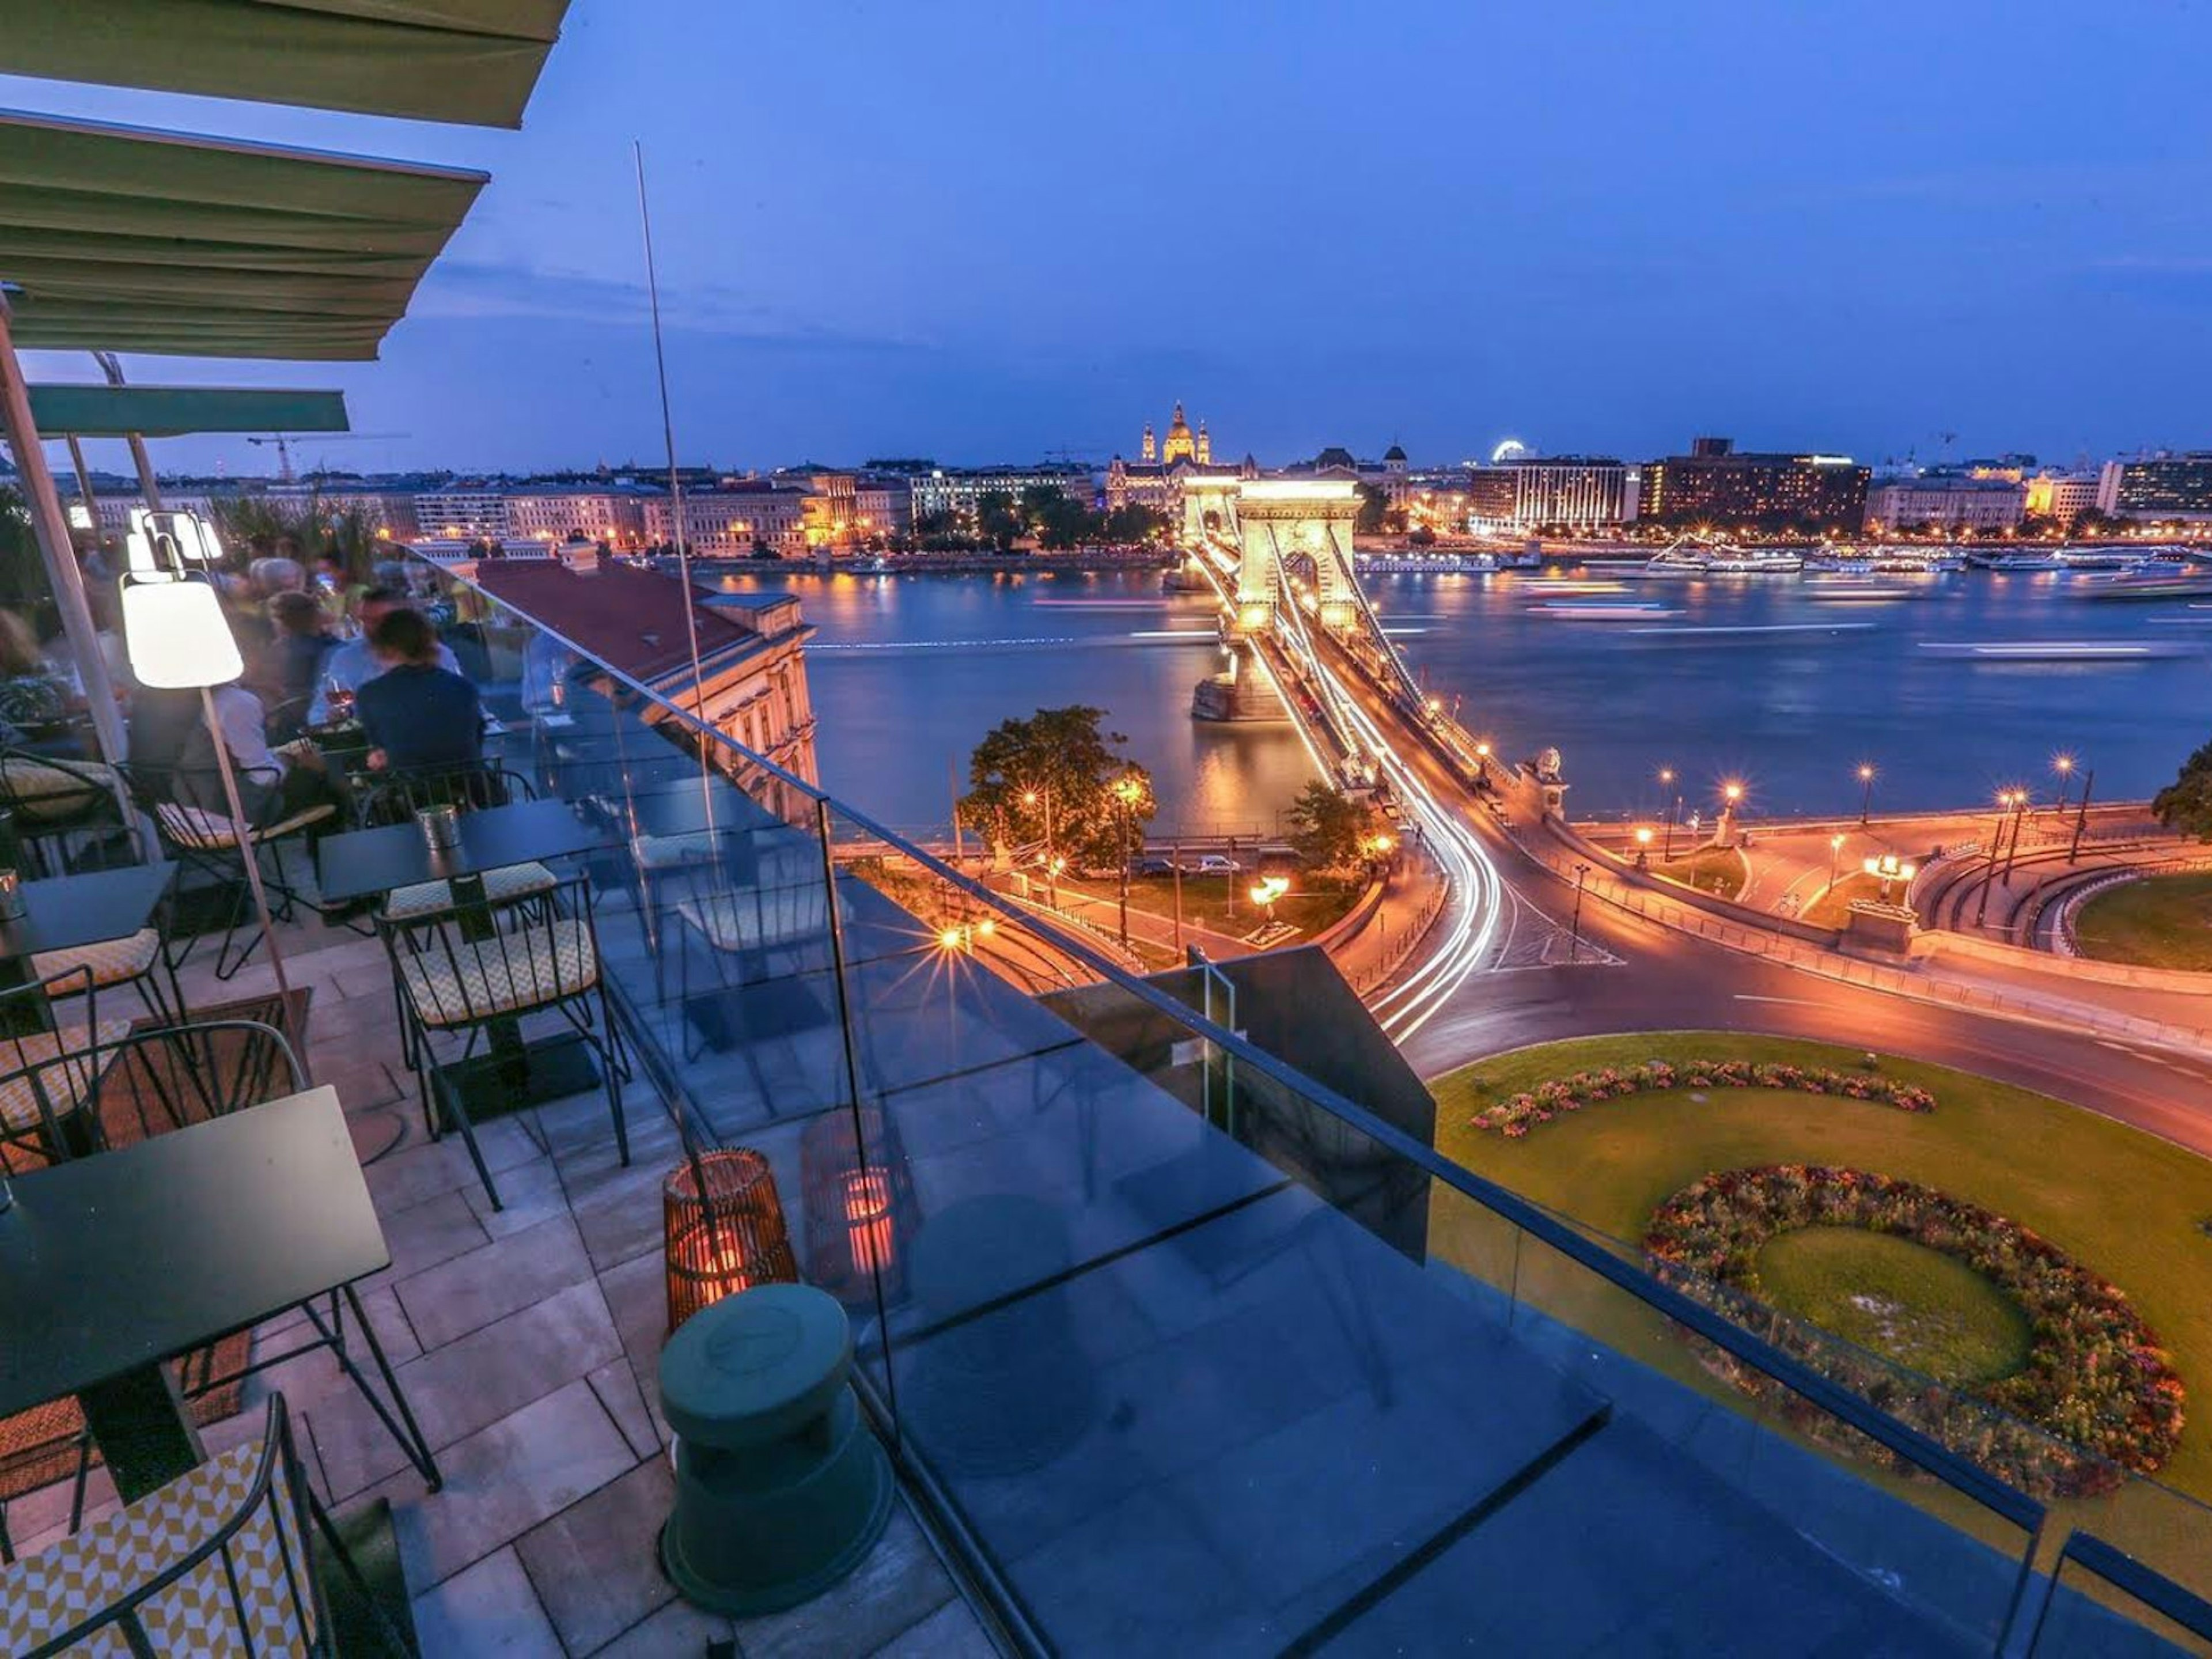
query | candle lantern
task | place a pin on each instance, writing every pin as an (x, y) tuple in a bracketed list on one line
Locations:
[(723, 1228)]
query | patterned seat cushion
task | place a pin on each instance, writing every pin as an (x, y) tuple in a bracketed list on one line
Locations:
[(67, 1065), (111, 960), (426, 898), (453, 980), (755, 918), (45, 1595), (206, 831), (42, 793)]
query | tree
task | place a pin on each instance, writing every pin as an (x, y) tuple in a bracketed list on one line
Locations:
[(1374, 511), (1329, 829), (2185, 804), (1053, 775), (996, 521), (1132, 522)]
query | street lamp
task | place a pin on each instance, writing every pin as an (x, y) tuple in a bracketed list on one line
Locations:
[(1997, 840), (2063, 765), (1127, 792), (1835, 846), (1642, 847), (1575, 927), (1030, 799), (1866, 799), (1674, 811), (1266, 891)]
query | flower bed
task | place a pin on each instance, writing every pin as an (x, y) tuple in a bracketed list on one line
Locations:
[(2096, 1394), (1515, 1116)]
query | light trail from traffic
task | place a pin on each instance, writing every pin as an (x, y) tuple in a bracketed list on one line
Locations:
[(1472, 925)]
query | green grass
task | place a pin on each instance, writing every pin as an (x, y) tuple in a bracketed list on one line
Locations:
[(1833, 907), (2160, 922), (2124, 1203), (1312, 903), (1718, 871), (1915, 1305)]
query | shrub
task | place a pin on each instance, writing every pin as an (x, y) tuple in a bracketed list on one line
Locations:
[(1516, 1114), (2095, 1377)]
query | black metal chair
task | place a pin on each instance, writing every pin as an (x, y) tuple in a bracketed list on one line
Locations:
[(192, 818), (220, 1560), (142, 961), (476, 969), (758, 901), (396, 797), (50, 1077), (53, 799)]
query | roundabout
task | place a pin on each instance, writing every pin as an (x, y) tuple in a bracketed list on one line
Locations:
[(2022, 1253)]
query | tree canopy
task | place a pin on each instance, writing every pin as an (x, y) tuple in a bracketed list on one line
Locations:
[(1329, 829), (1058, 775), (2186, 804)]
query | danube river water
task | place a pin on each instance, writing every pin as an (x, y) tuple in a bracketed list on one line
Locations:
[(1786, 683)]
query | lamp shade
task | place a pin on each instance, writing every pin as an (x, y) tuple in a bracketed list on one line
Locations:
[(176, 634)]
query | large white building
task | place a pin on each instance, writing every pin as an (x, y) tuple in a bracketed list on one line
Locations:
[(2063, 496), (1949, 502), (950, 489), (552, 514), (1581, 492), (730, 520)]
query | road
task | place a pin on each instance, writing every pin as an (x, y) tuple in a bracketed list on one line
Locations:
[(1663, 980)]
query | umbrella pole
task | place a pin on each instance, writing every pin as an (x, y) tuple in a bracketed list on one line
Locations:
[(249, 854), (52, 530)]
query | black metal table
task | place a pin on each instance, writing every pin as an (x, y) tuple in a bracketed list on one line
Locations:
[(112, 1266), (365, 862), (65, 912)]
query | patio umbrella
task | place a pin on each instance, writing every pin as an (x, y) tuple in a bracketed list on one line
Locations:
[(470, 61)]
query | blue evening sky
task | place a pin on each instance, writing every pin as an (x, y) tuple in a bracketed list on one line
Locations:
[(982, 231)]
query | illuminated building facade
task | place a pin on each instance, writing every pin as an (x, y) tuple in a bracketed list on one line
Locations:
[(730, 520), (1154, 479), (958, 489), (1946, 501), (2162, 487), (468, 515), (2062, 497), (1579, 491), (615, 517), (1714, 484)]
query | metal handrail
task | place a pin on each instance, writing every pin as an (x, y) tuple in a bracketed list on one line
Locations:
[(2005, 1501), (2153, 1589)]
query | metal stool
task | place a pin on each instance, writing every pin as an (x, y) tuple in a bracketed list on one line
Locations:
[(780, 1491)]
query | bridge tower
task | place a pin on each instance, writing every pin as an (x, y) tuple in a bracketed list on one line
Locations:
[(1304, 519)]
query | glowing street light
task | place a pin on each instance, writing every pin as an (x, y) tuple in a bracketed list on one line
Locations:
[(1642, 847), (2063, 765), (1129, 791), (1866, 801), (1266, 891), (1835, 846), (1888, 868)]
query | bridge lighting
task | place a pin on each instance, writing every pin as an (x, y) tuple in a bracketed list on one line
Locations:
[(950, 939), (1642, 847), (1435, 705), (1732, 791), (987, 927), (1482, 749)]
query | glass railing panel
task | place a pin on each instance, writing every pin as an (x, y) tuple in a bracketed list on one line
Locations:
[(2107, 1599)]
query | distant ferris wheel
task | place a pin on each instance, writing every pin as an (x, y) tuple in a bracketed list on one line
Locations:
[(1511, 450)]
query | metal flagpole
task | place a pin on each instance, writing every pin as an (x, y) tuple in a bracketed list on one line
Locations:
[(675, 492), (51, 529)]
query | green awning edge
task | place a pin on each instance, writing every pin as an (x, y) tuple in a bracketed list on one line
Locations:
[(473, 62), (168, 412)]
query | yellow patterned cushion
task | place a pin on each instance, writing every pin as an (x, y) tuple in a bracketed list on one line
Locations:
[(111, 960), (45, 1595), (38, 791), (453, 981), (66, 1065), (427, 898), (195, 827)]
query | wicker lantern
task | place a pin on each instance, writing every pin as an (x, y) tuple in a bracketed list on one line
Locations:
[(725, 1230)]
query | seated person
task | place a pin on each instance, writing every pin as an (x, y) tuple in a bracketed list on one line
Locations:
[(418, 715), (288, 671), (355, 663), (171, 749), (35, 699)]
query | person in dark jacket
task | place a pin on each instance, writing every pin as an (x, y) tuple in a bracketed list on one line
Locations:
[(288, 671), (418, 716)]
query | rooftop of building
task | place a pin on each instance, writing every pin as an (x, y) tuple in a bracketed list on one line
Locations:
[(628, 616)]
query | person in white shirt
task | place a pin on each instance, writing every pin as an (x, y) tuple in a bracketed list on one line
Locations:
[(354, 663)]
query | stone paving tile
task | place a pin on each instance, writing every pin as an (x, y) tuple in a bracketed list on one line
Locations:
[(503, 1481), (619, 1389), (678, 1630), (423, 1235), (490, 1609), (528, 1193), (637, 1296), (594, 1564), (424, 1171), (469, 1383), (456, 1297), (900, 1583), (621, 1217)]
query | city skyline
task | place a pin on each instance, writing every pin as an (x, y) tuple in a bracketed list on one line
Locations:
[(1318, 234)]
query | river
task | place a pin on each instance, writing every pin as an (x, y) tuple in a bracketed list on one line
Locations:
[(1787, 683)]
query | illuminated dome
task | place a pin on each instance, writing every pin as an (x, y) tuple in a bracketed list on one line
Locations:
[(1180, 444)]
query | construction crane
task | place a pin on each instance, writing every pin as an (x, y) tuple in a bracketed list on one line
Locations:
[(284, 445)]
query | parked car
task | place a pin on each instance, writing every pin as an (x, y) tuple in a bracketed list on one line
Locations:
[(1217, 864), (1152, 864)]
